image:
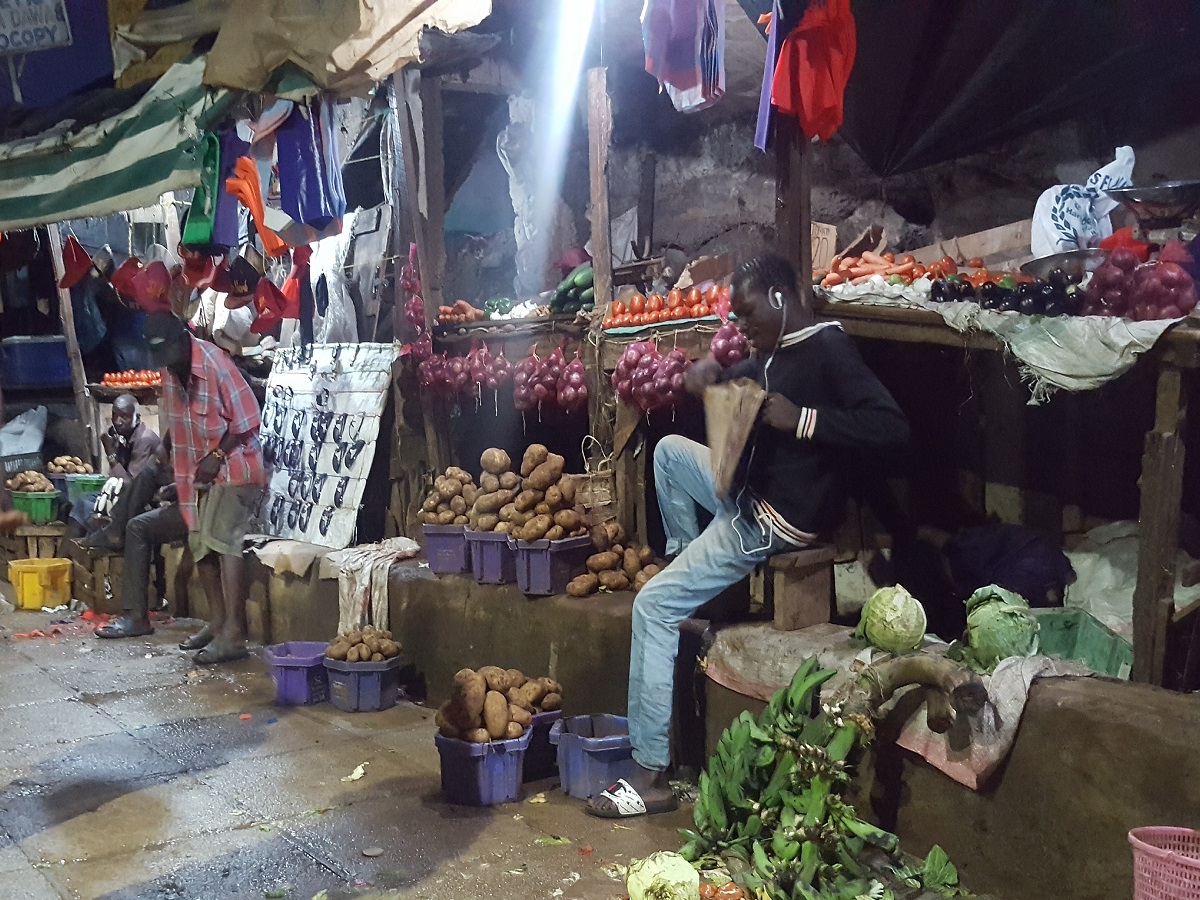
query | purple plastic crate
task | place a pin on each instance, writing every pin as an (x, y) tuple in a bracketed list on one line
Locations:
[(594, 752), (546, 567), (492, 559), (363, 686), (482, 774), (541, 759), (447, 549), (298, 672)]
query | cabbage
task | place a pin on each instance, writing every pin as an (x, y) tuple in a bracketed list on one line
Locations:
[(892, 620), (662, 876), (999, 625)]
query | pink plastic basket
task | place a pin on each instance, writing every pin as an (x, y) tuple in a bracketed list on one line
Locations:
[(1166, 863)]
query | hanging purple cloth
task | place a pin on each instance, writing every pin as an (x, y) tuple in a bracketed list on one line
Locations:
[(225, 217), (332, 155), (310, 174), (763, 129)]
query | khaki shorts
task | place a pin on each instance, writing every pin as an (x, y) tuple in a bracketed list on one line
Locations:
[(224, 514)]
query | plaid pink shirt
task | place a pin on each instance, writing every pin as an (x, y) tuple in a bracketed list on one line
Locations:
[(217, 401)]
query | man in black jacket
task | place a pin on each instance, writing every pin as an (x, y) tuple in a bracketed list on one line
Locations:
[(822, 404)]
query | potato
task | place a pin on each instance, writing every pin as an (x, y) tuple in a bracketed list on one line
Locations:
[(427, 518), (601, 562), (469, 493), (614, 580), (503, 528), (447, 487), (651, 570), (460, 474), (377, 657), (488, 522), (352, 654), (520, 518), (444, 726), (493, 502), (527, 500), (535, 529), (534, 691), (547, 473), (640, 579), (459, 520), (631, 564), (496, 678), (583, 585), (517, 699), (600, 539), (552, 702), (566, 485), (543, 509), (431, 503), (507, 511), (446, 518), (581, 531), (516, 677), (488, 483), (567, 519), (555, 533), (479, 736), (554, 497), (337, 650), (473, 520), (468, 692), (620, 551), (645, 555), (520, 715), (552, 686), (510, 481), (513, 730), (442, 507), (458, 505), (535, 455), (616, 534), (495, 460), (495, 714), (353, 637), (391, 649)]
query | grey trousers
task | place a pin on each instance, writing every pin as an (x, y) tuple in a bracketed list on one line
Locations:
[(143, 535)]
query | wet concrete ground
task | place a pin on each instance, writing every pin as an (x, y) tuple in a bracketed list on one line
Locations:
[(126, 771)]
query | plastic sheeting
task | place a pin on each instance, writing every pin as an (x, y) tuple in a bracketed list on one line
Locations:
[(345, 46)]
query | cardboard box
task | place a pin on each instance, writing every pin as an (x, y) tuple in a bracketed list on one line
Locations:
[(706, 268)]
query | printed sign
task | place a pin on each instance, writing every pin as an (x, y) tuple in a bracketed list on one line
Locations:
[(824, 243), (27, 26)]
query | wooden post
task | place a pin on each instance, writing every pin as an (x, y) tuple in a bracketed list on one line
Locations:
[(645, 208), (599, 138), (1158, 542), (793, 201), (424, 170), (66, 312)]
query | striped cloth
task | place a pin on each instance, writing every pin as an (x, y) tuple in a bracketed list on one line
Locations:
[(125, 162)]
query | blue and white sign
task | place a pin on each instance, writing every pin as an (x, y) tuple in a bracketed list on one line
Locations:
[(27, 26)]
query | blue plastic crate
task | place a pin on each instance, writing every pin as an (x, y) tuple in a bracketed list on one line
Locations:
[(492, 558), (482, 774), (364, 686), (35, 362), (297, 669), (594, 752), (541, 759), (447, 549)]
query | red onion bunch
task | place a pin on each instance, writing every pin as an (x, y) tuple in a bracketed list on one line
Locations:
[(631, 363), (1153, 290), (523, 374), (544, 381), (414, 312), (422, 348), (729, 346), (433, 375), (572, 386), (499, 371), (666, 387), (479, 365), (458, 374)]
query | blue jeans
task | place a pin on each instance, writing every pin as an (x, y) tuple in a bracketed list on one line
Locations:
[(708, 562)]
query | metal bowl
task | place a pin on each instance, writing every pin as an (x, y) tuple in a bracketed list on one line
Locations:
[(1164, 205), (1073, 262)]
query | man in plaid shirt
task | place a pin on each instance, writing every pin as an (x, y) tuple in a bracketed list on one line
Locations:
[(211, 428)]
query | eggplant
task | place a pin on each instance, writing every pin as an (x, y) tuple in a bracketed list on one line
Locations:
[(1055, 306), (1009, 301), (937, 291), (1057, 278), (989, 296), (1030, 305)]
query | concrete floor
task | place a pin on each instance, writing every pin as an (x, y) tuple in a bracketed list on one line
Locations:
[(127, 772)]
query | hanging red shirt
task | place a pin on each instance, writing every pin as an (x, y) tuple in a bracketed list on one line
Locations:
[(814, 66)]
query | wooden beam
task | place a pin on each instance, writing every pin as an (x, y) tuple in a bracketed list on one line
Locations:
[(793, 200), (1158, 526), (599, 139), (491, 76), (66, 313), (645, 208)]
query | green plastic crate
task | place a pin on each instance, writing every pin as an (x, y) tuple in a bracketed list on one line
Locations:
[(1075, 634), (79, 485), (40, 506)]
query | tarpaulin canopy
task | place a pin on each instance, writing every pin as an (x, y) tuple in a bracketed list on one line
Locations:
[(344, 46), (935, 80), (124, 162)]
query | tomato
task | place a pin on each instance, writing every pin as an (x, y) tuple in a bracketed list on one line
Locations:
[(949, 265), (918, 271), (654, 303), (975, 262), (694, 297), (679, 312), (889, 256), (637, 304), (712, 295), (907, 258), (607, 323), (701, 311), (618, 308), (674, 298)]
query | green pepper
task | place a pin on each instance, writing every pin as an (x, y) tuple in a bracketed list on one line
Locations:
[(1008, 283), (895, 279)]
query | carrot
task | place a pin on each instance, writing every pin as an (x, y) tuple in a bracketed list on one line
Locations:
[(860, 271), (863, 279), (902, 269), (832, 278), (874, 259)]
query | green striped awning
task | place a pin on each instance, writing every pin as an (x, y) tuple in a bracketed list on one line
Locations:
[(125, 162)]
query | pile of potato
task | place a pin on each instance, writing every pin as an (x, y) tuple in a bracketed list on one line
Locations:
[(29, 481), (452, 496), (366, 644), (495, 704), (615, 566), (538, 504), (69, 465)]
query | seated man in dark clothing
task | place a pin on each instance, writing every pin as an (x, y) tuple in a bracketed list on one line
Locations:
[(136, 464), (822, 404), (129, 444)]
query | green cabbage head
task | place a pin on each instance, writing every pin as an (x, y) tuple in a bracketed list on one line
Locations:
[(893, 620), (662, 876), (999, 625)]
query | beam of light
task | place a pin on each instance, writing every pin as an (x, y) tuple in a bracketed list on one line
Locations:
[(563, 47)]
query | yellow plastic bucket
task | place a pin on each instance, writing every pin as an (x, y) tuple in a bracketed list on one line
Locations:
[(41, 582)]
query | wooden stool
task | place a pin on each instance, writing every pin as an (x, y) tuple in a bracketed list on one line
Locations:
[(37, 541), (798, 587), (96, 579)]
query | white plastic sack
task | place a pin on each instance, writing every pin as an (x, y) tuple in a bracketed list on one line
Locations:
[(24, 434), (1075, 216)]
